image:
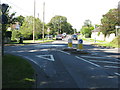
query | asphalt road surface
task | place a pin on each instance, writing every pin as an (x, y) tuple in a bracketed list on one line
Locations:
[(56, 68)]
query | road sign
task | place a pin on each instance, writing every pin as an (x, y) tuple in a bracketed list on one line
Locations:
[(80, 41), (117, 26)]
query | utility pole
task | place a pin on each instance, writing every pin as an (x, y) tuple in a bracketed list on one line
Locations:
[(34, 23), (43, 19)]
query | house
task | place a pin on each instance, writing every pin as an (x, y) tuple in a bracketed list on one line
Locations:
[(98, 35)]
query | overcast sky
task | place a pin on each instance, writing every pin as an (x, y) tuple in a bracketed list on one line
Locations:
[(76, 11)]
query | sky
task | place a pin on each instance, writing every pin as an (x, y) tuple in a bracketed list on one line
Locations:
[(76, 11)]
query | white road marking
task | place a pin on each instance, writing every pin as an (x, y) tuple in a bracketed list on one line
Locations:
[(111, 67), (100, 57), (117, 74), (103, 61), (46, 57), (64, 52), (29, 59), (88, 61)]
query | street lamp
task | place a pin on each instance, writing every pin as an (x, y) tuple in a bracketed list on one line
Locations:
[(4, 8), (4, 17)]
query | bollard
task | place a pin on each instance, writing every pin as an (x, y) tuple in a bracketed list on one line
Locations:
[(80, 44), (69, 43)]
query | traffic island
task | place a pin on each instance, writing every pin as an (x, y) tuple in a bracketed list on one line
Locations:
[(79, 52), (69, 49)]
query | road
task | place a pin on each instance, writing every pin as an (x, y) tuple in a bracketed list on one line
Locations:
[(56, 68)]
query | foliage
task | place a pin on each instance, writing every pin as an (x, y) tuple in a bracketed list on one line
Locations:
[(15, 34), (87, 28), (109, 21), (59, 25), (116, 41), (8, 34), (27, 27), (87, 23), (20, 19)]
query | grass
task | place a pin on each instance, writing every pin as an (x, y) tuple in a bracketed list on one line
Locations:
[(114, 43), (17, 72), (25, 42)]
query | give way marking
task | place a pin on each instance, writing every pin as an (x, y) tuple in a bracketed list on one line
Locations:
[(47, 57)]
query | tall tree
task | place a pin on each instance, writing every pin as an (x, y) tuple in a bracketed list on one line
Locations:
[(59, 24), (87, 28), (109, 21), (20, 19), (27, 27)]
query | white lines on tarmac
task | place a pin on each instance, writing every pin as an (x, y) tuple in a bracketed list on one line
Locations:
[(117, 74), (111, 67), (88, 61), (29, 59), (64, 52), (96, 57), (100, 57), (47, 57), (104, 61)]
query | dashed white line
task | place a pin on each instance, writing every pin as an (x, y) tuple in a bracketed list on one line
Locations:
[(104, 61), (64, 52), (111, 67), (117, 74), (101, 57), (88, 61)]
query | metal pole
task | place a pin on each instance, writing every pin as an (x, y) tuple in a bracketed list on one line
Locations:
[(43, 18), (116, 31), (34, 24)]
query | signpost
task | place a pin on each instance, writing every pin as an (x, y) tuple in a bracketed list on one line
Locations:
[(48, 30), (80, 44), (70, 43), (116, 30)]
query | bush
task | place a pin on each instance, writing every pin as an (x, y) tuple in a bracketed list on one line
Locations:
[(15, 34), (116, 41)]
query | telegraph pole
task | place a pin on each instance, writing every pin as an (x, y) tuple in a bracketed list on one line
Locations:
[(34, 23), (43, 19)]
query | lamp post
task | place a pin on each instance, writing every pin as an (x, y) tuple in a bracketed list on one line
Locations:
[(34, 23), (43, 19)]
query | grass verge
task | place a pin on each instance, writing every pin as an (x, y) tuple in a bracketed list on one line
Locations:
[(115, 43), (16, 72), (26, 42)]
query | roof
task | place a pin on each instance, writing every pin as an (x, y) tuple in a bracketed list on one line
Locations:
[(96, 30)]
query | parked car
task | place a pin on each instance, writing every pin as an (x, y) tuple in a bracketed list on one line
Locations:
[(49, 36), (74, 37), (59, 37)]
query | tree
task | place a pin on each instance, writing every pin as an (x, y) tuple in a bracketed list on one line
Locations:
[(16, 35), (87, 28), (59, 24), (20, 19), (27, 27), (87, 23), (109, 21)]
